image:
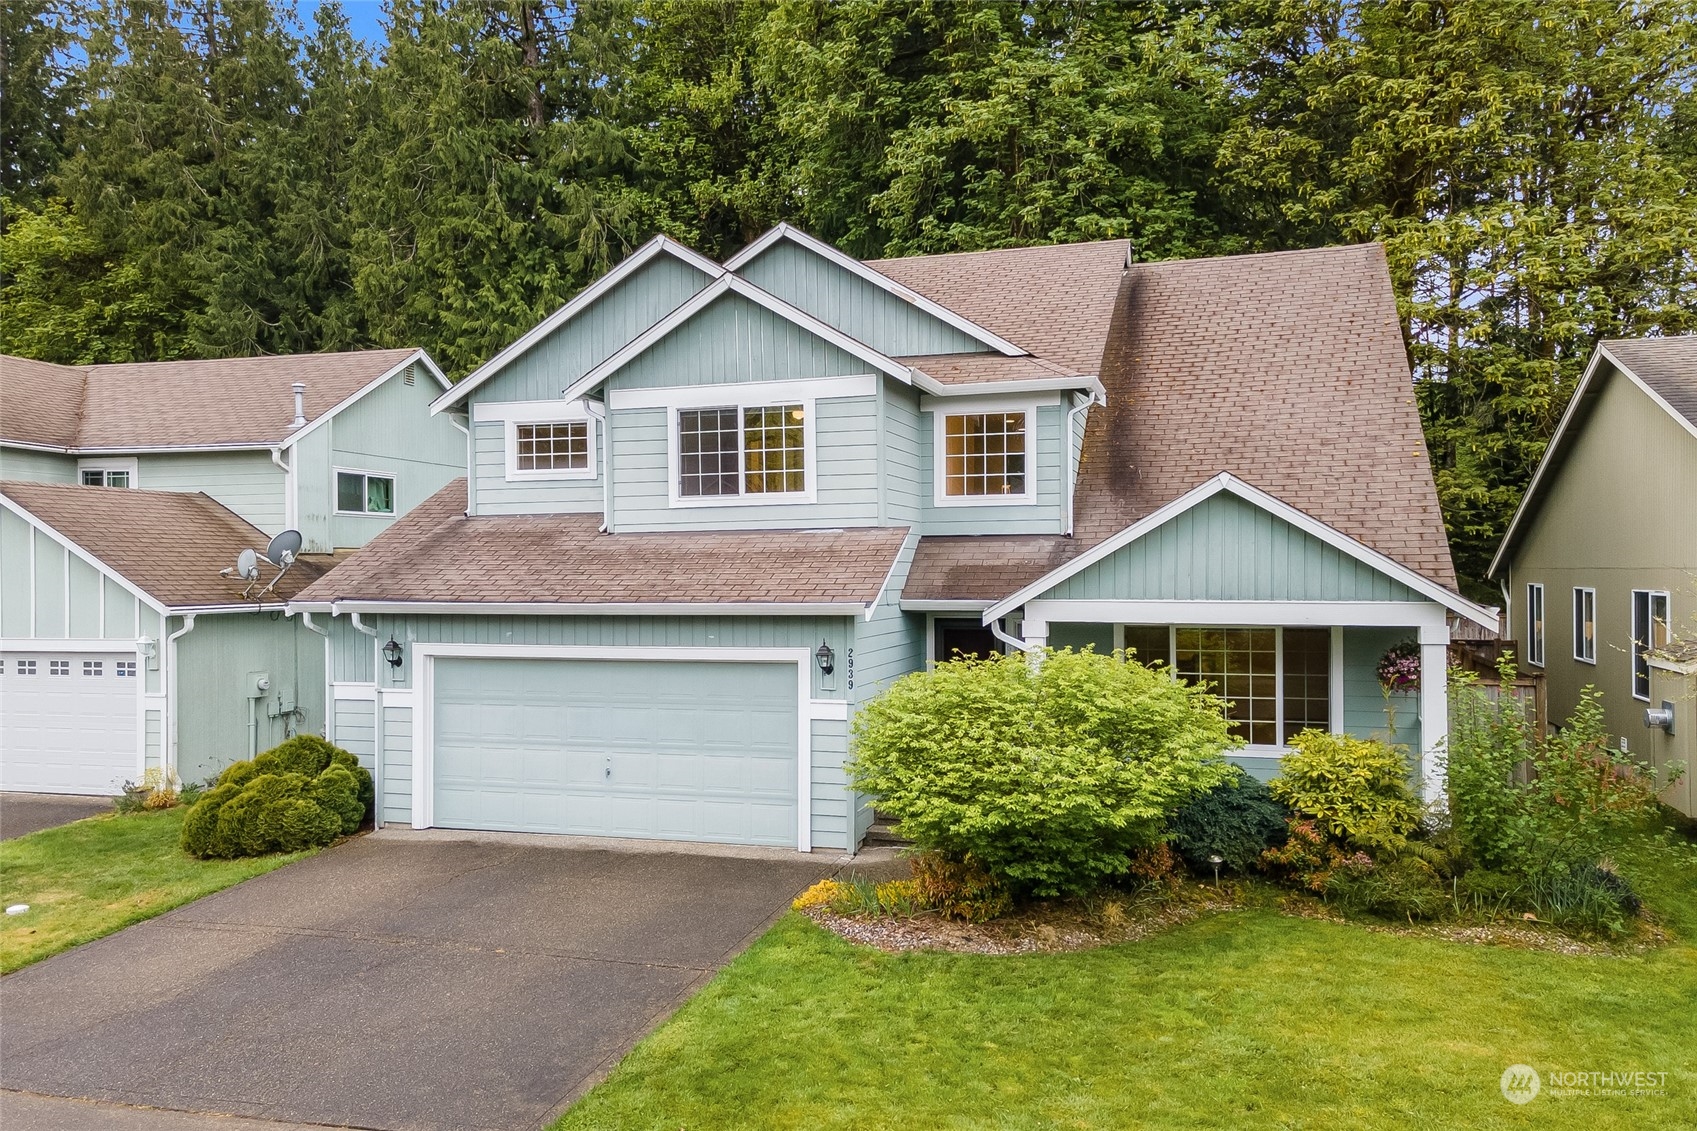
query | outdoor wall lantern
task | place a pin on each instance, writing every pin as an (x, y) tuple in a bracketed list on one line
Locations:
[(827, 659), (392, 652)]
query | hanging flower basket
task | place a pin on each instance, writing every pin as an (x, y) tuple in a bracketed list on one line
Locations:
[(1399, 668)]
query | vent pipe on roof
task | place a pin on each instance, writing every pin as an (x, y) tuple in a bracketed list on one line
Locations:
[(300, 403)]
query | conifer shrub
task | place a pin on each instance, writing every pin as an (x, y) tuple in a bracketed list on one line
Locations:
[(301, 794), (1237, 821)]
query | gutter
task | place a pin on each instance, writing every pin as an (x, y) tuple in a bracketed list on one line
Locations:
[(600, 609), (1013, 642), (604, 449), (170, 768), (1071, 476)]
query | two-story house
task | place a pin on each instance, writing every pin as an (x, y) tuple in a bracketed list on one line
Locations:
[(710, 509), (1599, 565), (125, 489)]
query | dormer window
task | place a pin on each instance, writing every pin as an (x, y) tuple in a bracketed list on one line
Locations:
[(747, 453), (983, 456)]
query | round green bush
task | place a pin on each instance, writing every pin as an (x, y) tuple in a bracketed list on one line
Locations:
[(1237, 821), (1355, 789), (300, 794), (1048, 775)]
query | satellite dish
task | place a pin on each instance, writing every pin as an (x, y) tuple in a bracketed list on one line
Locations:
[(283, 548), (247, 565)]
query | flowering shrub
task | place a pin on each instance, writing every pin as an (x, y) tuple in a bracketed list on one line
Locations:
[(1399, 668)]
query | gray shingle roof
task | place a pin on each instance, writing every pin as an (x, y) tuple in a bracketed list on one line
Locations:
[(1667, 365)]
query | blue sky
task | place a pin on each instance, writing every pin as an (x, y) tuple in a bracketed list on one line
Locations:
[(364, 17)]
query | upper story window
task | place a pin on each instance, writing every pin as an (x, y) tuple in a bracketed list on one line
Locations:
[(544, 439), (360, 492), (1651, 618), (747, 453), (555, 446), (106, 473), (1535, 624), (984, 456), (1585, 625)]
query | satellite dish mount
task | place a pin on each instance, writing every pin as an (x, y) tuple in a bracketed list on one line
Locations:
[(282, 552)]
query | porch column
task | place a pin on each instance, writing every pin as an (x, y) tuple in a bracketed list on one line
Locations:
[(1434, 708)]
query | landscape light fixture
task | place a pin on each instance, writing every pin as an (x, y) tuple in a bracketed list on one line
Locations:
[(392, 652), (827, 659), (1216, 861)]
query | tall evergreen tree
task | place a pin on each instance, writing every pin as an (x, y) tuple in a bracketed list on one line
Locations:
[(39, 90)]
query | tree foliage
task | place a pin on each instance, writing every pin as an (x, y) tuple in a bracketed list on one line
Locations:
[(214, 177)]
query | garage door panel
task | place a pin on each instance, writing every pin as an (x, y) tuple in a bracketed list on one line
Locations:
[(698, 751), (68, 721)]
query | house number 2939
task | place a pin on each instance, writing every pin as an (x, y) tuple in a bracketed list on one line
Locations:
[(848, 666)]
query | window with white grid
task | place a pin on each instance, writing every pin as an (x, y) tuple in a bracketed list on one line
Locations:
[(126, 669), (984, 455), (709, 452), (26, 667), (553, 446), (774, 449), (58, 667), (1276, 681), (93, 667)]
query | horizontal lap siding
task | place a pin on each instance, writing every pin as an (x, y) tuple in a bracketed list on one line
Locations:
[(422, 456), (904, 470), (356, 730), (497, 496), (829, 803), (859, 309), (1227, 549), (246, 482), (845, 477), (1041, 517), (640, 300), (37, 467), (153, 730), (396, 801)]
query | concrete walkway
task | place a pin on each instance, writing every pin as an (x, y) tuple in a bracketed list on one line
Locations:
[(22, 813), (390, 982)]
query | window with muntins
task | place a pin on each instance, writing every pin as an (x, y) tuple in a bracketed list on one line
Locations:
[(105, 477), (360, 493), (726, 452), (1535, 624), (554, 446), (1276, 681), (1651, 620), (1585, 625), (984, 455)]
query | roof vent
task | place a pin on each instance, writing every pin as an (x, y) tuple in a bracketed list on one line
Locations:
[(300, 403), (410, 378)]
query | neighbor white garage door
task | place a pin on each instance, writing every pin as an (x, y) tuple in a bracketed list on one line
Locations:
[(675, 750), (67, 721)]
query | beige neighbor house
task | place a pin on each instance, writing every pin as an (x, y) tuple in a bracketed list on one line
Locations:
[(1599, 566)]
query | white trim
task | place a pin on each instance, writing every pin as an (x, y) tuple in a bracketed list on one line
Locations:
[(422, 699), (976, 407), (336, 474), (827, 710), (1555, 449), (1334, 681), (733, 284), (140, 449), (984, 398), (1581, 595), (353, 691), (1434, 711), (1678, 667), (730, 392), (1632, 630), (127, 464), (910, 543), (809, 459), (881, 281), (571, 309), (528, 412), (313, 425), (1245, 614), (597, 609), (85, 644), (1309, 525), (1538, 628), (919, 606), (106, 570)]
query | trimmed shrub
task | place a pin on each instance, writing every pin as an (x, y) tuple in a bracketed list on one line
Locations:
[(1048, 775), (301, 794), (1355, 789), (1237, 821)]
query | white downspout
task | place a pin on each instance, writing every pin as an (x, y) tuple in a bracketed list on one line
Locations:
[(170, 769), (378, 756), (1014, 642), (604, 450), (1070, 475), (329, 700), (291, 500)]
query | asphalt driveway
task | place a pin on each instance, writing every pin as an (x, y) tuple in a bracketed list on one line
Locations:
[(392, 982), (22, 813)]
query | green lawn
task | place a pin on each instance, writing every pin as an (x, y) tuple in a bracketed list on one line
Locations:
[(1242, 1019), (96, 876)]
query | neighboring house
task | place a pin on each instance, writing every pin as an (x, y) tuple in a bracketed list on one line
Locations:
[(712, 509), (124, 650), (340, 462), (1599, 564)]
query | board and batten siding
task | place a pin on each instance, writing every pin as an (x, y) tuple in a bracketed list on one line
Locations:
[(734, 339), (49, 593), (1364, 703), (863, 311), (37, 467), (844, 475), (246, 482), (1227, 549), (1040, 517), (495, 495), (594, 334)]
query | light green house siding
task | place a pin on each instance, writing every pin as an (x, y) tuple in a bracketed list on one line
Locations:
[(734, 339), (904, 477), (1227, 549), (354, 729), (389, 432), (1365, 711), (1044, 516), (49, 593), (1616, 515), (37, 467), (637, 302), (214, 662), (546, 496), (246, 482), (861, 310)]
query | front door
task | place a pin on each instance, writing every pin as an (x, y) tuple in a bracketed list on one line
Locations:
[(958, 639)]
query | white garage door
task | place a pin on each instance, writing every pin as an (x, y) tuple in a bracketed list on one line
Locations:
[(660, 749), (67, 721)]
